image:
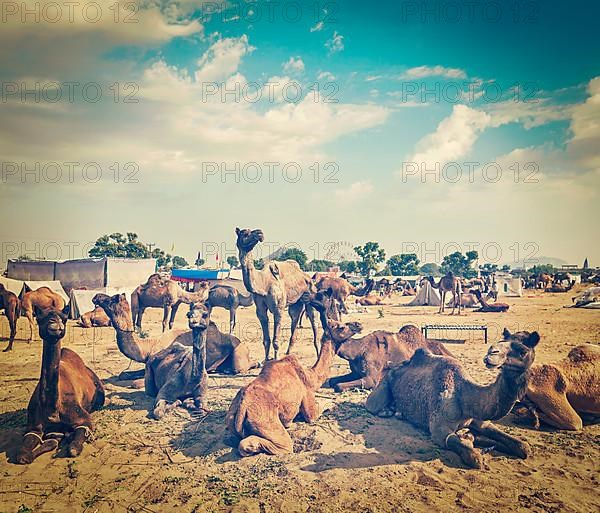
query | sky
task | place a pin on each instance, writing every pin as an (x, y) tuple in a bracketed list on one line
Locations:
[(428, 127)]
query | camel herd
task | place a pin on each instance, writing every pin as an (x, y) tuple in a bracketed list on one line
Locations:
[(409, 376)]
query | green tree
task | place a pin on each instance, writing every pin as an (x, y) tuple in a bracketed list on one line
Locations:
[(431, 269), (199, 262), (542, 268), (259, 264), (459, 264), (370, 255), (294, 254), (348, 266), (162, 259), (233, 261), (506, 268), (319, 266), (406, 264), (490, 268), (118, 245), (179, 262)]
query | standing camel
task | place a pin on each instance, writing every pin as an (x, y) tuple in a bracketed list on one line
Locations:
[(225, 296), (278, 286), (342, 289), (449, 283), (41, 298), (163, 293), (10, 302), (64, 397)]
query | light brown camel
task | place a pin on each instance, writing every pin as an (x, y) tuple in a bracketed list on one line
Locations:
[(10, 302), (543, 281), (342, 289), (468, 300), (448, 283), (261, 411), (177, 375), (558, 393), (159, 292), (225, 353), (489, 307), (64, 397), (225, 296), (278, 286), (373, 299), (94, 318), (41, 298), (436, 394)]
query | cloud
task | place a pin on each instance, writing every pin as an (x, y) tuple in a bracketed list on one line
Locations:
[(434, 71), (222, 59), (583, 146), (318, 27), (294, 65), (335, 44), (356, 191), (326, 75)]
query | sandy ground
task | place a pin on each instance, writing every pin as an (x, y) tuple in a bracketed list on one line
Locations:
[(347, 461)]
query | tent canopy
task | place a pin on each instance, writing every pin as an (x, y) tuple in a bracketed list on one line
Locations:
[(52, 285), (15, 286), (81, 300), (427, 296)]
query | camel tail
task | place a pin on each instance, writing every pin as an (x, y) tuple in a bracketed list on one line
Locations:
[(246, 300)]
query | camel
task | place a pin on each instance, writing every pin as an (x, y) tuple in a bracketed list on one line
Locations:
[(558, 393), (159, 292), (229, 298), (448, 283), (543, 280), (176, 375), (225, 353), (342, 289), (262, 410), (467, 300), (277, 286), (94, 318), (10, 302), (590, 295), (561, 277), (64, 397), (373, 299), (41, 298), (488, 307), (435, 393)]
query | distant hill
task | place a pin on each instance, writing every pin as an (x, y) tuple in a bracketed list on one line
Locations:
[(539, 260)]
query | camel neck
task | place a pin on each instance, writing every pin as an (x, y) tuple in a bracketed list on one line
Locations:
[(252, 277), (198, 354), (321, 369), (129, 344), (50, 374)]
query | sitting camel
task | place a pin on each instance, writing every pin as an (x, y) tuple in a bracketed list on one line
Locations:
[(489, 307), (229, 298), (64, 397), (225, 353), (586, 297), (261, 411), (557, 393), (159, 292), (448, 283), (42, 298), (10, 302), (435, 393), (94, 318), (373, 299), (177, 375)]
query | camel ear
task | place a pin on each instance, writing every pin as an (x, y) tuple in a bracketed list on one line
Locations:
[(532, 340), (237, 231), (506, 334)]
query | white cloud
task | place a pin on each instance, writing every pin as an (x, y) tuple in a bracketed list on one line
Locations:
[(326, 75), (318, 27), (585, 126), (434, 71), (222, 59), (356, 191), (372, 78), (336, 43), (294, 65)]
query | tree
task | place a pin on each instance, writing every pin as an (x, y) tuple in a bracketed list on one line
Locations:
[(179, 262), (542, 268), (384, 272), (431, 269), (117, 245), (490, 268), (406, 264), (233, 261), (320, 266), (370, 255), (348, 266), (459, 264), (294, 254), (259, 264), (199, 262), (506, 268), (162, 259)]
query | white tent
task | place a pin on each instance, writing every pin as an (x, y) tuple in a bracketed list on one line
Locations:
[(52, 285), (15, 286), (508, 286), (128, 272), (81, 300), (427, 296)]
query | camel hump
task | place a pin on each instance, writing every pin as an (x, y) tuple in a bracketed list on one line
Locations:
[(545, 376), (421, 356), (274, 268), (584, 354)]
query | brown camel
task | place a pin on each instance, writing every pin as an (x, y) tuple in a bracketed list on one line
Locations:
[(64, 397), (10, 302), (225, 353), (488, 307), (94, 318), (342, 289), (229, 298), (448, 283), (261, 411), (278, 286), (159, 292), (435, 393), (177, 375), (42, 298), (373, 299), (543, 281), (558, 393), (467, 300)]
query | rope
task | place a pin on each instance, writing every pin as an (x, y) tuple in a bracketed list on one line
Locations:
[(39, 437), (88, 431)]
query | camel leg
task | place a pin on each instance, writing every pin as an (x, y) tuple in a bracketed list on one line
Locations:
[(442, 305), (454, 303), (166, 312), (277, 332), (232, 311), (167, 397), (555, 410), (33, 446), (380, 401), (29, 315), (295, 312), (444, 436), (300, 320), (140, 314), (83, 429), (309, 407), (13, 332), (351, 376), (174, 309), (278, 441), (514, 446), (261, 313), (310, 313), (365, 383), (240, 360), (342, 308)]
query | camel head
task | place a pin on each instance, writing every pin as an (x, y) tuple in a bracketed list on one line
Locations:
[(247, 239), (342, 331), (198, 316), (52, 324), (117, 308), (516, 351)]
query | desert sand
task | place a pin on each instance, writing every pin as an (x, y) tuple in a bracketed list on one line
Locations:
[(347, 461)]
